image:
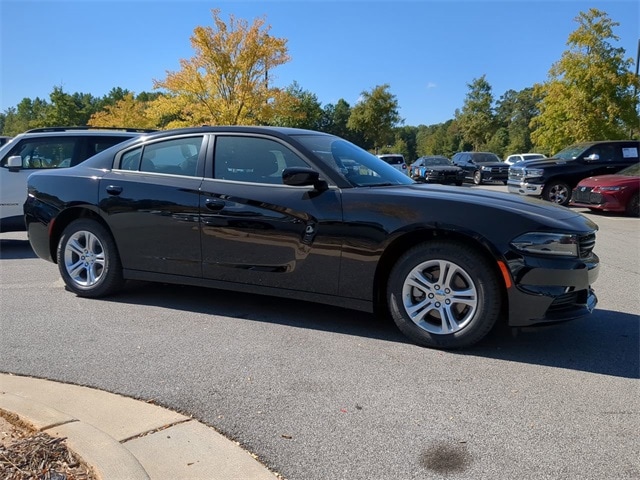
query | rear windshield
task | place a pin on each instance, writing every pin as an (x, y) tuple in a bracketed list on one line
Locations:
[(393, 159)]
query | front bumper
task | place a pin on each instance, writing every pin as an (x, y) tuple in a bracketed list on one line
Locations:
[(494, 177), (524, 188), (551, 290), (608, 201)]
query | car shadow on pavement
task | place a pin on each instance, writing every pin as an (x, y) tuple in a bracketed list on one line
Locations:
[(15, 249), (607, 342)]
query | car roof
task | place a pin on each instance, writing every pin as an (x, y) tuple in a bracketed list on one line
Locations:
[(82, 131), (238, 129)]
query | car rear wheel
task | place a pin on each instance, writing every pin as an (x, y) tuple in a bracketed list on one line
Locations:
[(557, 192), (633, 207), (477, 177), (88, 259), (444, 295)]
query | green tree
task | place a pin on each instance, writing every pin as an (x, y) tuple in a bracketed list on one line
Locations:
[(440, 139), (476, 119), (514, 112), (589, 91), (69, 110), (229, 80), (28, 114), (406, 138), (375, 115), (305, 111)]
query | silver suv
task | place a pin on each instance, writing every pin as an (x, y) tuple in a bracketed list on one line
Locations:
[(396, 160), (40, 148)]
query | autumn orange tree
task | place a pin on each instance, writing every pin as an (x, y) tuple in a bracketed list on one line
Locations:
[(227, 82), (127, 112)]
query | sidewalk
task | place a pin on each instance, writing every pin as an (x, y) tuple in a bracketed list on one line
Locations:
[(122, 438)]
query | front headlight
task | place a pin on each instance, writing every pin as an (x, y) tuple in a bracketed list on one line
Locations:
[(609, 189), (542, 243), (533, 172)]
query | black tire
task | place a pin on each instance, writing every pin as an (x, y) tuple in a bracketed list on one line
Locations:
[(88, 260), (459, 183), (416, 276), (477, 177), (558, 192), (633, 207)]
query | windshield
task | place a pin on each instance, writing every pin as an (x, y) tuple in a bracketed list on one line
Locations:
[(359, 167), (436, 161), (485, 157), (572, 152)]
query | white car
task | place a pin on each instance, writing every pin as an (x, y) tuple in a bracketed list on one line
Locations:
[(519, 157), (40, 148)]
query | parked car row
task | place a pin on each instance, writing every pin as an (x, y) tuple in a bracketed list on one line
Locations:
[(555, 179)]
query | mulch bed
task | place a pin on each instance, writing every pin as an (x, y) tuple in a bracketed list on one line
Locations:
[(29, 455)]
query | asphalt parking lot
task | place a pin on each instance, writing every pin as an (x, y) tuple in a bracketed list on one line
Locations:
[(319, 392)]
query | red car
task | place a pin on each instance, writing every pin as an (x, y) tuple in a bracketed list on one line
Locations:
[(611, 193)]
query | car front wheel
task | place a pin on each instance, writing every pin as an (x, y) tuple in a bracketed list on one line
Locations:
[(557, 192), (88, 259), (477, 178), (444, 295)]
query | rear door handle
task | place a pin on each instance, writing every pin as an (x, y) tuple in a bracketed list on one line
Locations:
[(114, 189), (214, 205)]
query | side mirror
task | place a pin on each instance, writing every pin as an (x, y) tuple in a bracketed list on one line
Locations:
[(14, 161), (302, 176)]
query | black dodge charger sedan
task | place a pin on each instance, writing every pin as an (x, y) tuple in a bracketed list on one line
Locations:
[(307, 215), (436, 169)]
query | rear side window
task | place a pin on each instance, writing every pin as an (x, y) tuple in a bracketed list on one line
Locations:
[(177, 157), (97, 144)]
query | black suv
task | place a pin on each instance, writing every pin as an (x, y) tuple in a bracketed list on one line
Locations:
[(480, 167), (554, 178)]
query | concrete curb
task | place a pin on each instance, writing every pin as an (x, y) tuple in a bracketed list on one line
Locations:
[(120, 437)]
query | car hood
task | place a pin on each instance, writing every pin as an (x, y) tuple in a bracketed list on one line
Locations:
[(609, 180), (541, 162), (536, 209)]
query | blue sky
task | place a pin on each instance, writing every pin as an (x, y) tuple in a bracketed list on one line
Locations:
[(428, 51)]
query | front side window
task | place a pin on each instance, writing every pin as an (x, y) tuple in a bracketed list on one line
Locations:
[(252, 159), (359, 167), (44, 153)]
